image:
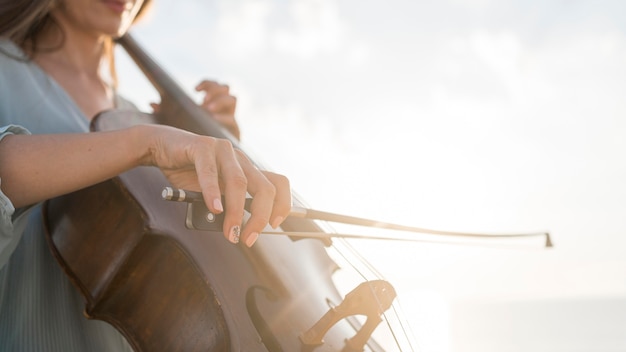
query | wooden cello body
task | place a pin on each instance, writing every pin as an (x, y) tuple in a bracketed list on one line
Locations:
[(166, 287)]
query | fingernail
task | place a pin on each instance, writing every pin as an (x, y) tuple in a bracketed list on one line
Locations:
[(252, 238), (217, 204), (234, 234), (277, 221)]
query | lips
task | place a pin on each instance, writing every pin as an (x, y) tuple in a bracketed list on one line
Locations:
[(117, 6)]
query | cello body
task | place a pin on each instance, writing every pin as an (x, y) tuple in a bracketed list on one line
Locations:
[(166, 287)]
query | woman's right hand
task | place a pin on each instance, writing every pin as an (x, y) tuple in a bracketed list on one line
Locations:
[(213, 167), (34, 168)]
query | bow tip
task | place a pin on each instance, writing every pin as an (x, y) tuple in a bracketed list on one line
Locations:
[(548, 240)]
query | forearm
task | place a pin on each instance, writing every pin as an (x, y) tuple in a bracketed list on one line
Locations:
[(38, 167), (34, 168)]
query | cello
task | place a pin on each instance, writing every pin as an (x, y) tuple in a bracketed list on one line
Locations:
[(168, 287)]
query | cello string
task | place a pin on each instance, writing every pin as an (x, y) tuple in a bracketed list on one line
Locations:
[(189, 196), (347, 246), (180, 195), (343, 248), (403, 324)]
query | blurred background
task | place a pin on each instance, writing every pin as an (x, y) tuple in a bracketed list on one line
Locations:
[(463, 115)]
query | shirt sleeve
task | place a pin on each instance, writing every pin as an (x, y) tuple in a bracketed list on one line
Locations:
[(10, 229)]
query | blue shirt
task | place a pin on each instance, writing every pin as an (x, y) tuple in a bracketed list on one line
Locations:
[(40, 310)]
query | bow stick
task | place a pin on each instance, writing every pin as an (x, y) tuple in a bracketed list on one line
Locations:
[(181, 195)]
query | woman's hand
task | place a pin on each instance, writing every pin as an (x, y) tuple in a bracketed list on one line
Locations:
[(219, 103), (34, 168), (214, 167)]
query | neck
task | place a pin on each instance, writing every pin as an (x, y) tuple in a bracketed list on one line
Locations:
[(79, 51), (73, 59)]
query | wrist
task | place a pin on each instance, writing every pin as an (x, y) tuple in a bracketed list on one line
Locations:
[(142, 144)]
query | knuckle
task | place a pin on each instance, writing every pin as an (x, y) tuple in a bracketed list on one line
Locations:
[(223, 144), (261, 218), (240, 154), (264, 190), (268, 189), (238, 180), (206, 142), (283, 181)]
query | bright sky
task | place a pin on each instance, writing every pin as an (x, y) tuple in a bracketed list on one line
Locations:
[(467, 115)]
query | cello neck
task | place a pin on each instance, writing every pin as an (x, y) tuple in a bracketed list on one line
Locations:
[(178, 109)]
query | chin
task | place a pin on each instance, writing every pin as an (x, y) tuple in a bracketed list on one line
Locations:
[(114, 28)]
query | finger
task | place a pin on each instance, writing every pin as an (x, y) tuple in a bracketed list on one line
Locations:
[(155, 107), (212, 88), (207, 171), (224, 104), (263, 194), (283, 199), (207, 84), (228, 121), (234, 184), (225, 119)]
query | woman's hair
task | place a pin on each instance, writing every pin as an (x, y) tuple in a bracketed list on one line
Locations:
[(23, 21)]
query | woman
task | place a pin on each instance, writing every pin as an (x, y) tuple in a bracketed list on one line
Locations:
[(51, 57)]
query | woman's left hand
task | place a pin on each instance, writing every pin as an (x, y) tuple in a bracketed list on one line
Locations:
[(218, 101)]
